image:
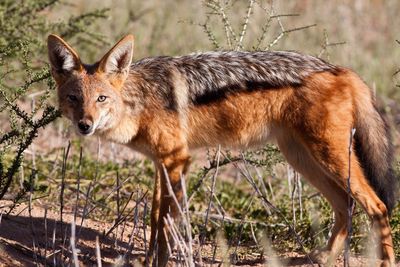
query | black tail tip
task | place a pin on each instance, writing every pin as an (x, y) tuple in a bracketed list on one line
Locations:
[(389, 194)]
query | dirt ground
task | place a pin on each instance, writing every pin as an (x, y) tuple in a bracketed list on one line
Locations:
[(36, 239)]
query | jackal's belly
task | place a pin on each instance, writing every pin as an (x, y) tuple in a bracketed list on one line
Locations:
[(250, 135), (239, 121)]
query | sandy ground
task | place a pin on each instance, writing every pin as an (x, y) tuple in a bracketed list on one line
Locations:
[(27, 240)]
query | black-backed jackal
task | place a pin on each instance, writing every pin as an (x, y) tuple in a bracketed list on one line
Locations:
[(165, 106)]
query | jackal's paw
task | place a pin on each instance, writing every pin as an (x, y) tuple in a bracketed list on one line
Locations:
[(322, 256), (387, 263)]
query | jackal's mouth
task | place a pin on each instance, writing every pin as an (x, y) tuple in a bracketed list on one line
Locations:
[(86, 133)]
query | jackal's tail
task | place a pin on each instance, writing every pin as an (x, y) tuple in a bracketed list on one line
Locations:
[(373, 148)]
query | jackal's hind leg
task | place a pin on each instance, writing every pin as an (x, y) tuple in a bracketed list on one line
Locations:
[(300, 158), (335, 161)]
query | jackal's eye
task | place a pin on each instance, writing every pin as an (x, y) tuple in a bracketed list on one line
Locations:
[(101, 98), (72, 98)]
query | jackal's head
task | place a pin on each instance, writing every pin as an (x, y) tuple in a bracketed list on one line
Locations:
[(90, 95)]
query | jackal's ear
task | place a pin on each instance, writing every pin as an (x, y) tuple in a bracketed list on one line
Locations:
[(119, 58), (63, 59)]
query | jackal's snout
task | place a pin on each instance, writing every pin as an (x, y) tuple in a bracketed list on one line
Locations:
[(85, 126)]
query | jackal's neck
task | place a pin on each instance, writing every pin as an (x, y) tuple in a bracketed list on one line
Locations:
[(123, 130)]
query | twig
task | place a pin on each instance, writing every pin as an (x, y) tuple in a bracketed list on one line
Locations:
[(131, 244), (144, 232), (45, 235), (327, 44), (118, 222), (54, 254), (240, 230), (246, 22), (63, 171), (72, 243), (285, 32), (35, 249), (78, 182), (234, 220), (203, 234), (350, 207), (98, 255), (229, 32)]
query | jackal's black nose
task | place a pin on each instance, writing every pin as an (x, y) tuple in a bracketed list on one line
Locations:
[(85, 126)]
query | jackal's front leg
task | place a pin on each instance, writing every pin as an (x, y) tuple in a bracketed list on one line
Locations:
[(174, 165)]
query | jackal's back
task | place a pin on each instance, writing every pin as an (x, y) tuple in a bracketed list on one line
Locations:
[(211, 75)]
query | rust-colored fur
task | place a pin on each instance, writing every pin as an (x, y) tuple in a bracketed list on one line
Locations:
[(158, 106)]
